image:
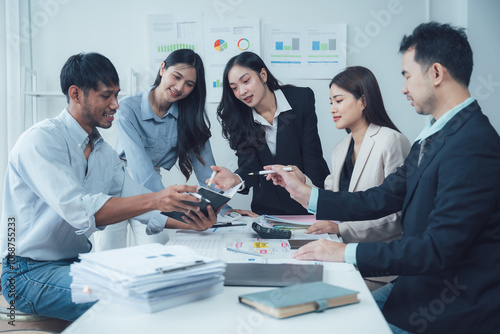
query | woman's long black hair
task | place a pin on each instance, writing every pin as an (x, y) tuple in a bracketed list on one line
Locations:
[(236, 117), (360, 82), (193, 126)]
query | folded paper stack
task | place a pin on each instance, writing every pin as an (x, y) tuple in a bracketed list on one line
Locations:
[(150, 277)]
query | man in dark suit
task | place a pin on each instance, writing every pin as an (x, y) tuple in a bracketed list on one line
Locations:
[(448, 190)]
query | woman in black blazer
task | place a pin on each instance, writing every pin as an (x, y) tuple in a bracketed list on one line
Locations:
[(267, 123)]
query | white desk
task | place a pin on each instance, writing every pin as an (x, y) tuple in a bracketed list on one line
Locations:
[(223, 314)]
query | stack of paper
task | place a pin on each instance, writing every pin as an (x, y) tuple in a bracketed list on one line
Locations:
[(151, 277), (288, 221)]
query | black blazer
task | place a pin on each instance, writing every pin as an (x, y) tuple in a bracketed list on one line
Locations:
[(449, 256), (298, 144)]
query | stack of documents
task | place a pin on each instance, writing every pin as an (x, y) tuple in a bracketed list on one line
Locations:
[(151, 277), (288, 221)]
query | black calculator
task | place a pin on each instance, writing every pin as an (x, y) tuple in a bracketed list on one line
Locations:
[(271, 233)]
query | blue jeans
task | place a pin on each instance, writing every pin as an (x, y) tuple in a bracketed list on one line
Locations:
[(380, 295), (40, 287)]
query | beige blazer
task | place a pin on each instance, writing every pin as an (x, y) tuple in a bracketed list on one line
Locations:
[(382, 151)]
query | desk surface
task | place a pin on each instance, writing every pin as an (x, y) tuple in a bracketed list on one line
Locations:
[(223, 314)]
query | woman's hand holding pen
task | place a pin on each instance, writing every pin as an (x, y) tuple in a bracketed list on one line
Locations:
[(224, 179)]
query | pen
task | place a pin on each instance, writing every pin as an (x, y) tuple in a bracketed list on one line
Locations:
[(226, 225), (211, 178), (196, 195), (264, 172), (241, 251)]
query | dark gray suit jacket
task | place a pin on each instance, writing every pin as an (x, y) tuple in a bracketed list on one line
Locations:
[(449, 256)]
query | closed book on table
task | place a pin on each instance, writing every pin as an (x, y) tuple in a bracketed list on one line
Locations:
[(300, 298)]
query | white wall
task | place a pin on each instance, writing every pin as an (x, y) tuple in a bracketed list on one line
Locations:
[(480, 17), (3, 98), (119, 32), (117, 29), (484, 27)]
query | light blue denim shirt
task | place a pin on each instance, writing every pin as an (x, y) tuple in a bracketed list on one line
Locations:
[(51, 199), (147, 141)]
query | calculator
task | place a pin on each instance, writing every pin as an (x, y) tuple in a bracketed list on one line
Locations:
[(271, 233)]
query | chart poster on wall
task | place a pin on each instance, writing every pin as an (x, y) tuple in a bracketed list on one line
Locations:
[(305, 51), (223, 40), (168, 33)]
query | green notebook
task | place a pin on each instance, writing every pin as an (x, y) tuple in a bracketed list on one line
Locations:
[(299, 299)]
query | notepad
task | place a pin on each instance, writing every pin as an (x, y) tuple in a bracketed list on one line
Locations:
[(299, 299)]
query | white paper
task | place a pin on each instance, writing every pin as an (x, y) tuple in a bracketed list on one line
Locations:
[(213, 242), (305, 51), (232, 191), (131, 275), (167, 33), (223, 40)]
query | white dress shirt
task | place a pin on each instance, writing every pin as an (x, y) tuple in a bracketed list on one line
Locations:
[(271, 130)]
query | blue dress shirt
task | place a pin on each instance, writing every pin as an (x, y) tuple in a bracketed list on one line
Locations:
[(429, 130), (52, 192), (434, 126), (147, 141)]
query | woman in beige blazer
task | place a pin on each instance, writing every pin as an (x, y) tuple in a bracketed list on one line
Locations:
[(381, 151), (373, 149)]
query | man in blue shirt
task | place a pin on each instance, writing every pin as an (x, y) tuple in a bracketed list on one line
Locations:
[(64, 182), (448, 191)]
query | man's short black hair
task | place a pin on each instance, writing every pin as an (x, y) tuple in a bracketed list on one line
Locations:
[(444, 44), (87, 71)]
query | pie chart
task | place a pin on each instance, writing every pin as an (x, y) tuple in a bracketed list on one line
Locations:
[(220, 45), (243, 44)]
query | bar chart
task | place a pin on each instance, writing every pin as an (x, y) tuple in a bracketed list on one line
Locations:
[(331, 45), (305, 51), (293, 45), (175, 46)]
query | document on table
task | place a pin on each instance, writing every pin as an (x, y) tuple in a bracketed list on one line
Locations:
[(213, 242)]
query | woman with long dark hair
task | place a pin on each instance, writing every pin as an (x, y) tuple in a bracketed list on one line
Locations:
[(158, 127), (267, 123), (373, 149)]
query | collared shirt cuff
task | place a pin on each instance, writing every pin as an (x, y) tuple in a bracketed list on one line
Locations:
[(242, 186), (350, 254), (312, 205), (225, 209), (156, 223), (92, 203)]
